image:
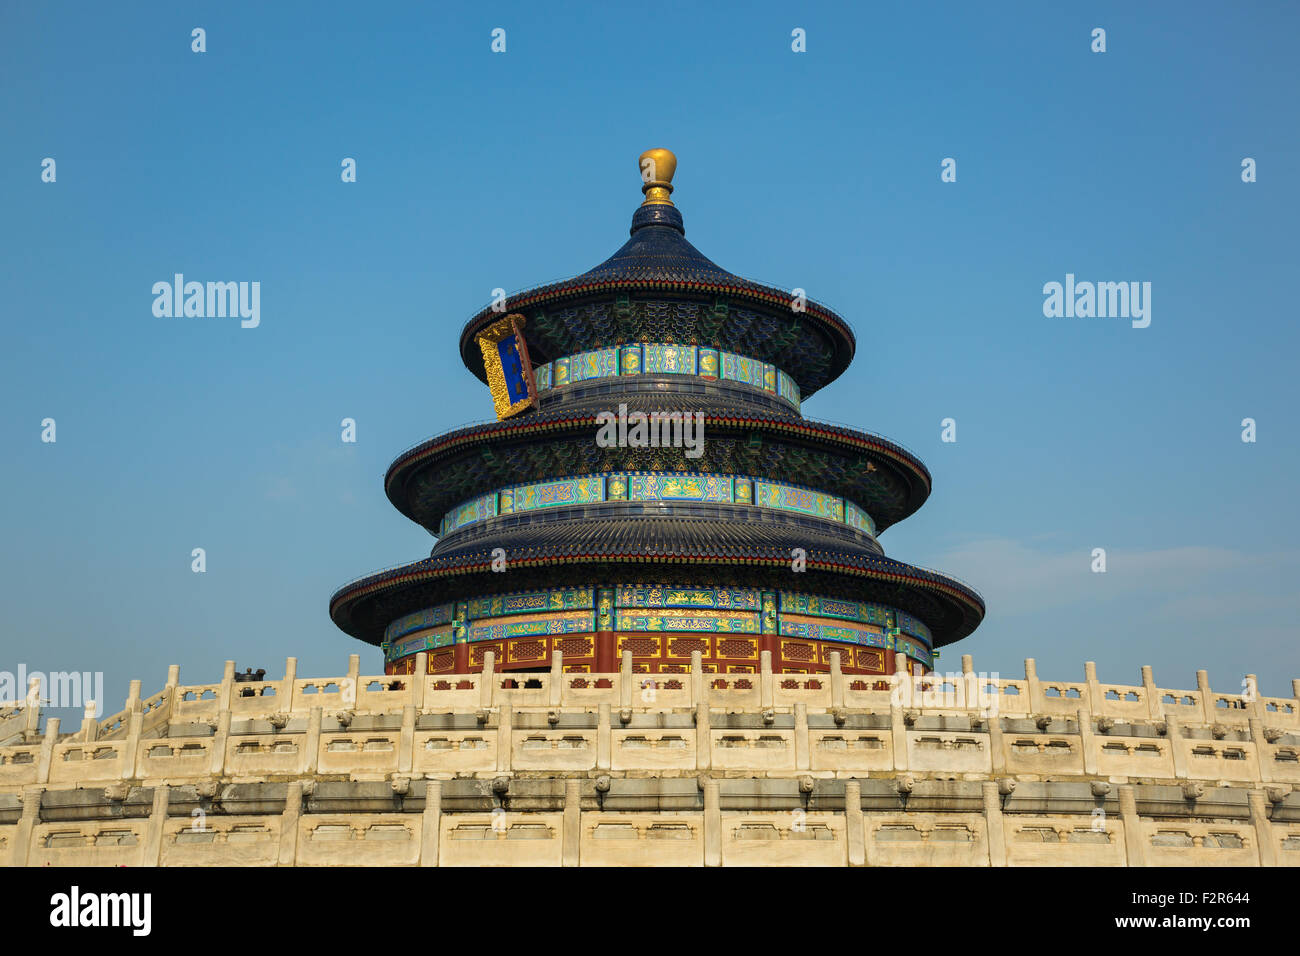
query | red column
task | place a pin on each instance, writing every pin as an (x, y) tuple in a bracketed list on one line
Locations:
[(606, 657)]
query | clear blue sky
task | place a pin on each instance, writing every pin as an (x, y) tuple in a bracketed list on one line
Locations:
[(476, 170)]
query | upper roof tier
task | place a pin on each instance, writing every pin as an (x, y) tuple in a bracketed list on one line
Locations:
[(659, 288)]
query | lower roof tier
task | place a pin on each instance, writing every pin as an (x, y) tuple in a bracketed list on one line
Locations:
[(714, 553)]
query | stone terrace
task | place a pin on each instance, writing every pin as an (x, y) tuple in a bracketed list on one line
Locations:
[(628, 769)]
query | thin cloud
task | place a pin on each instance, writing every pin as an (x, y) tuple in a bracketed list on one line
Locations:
[(1017, 579)]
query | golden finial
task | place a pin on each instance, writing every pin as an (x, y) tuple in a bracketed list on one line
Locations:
[(657, 168)]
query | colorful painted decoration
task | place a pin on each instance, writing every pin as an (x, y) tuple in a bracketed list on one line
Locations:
[(651, 608), (741, 599), (823, 631), (551, 494), (601, 363), (770, 494), (524, 602), (670, 621), (429, 617), (742, 491), (657, 486), (818, 606), (571, 622), (629, 360), (910, 625), (670, 359), (858, 518), (679, 487), (480, 509), (785, 387), (667, 359), (708, 363)]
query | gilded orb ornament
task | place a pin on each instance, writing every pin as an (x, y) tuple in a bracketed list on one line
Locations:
[(657, 169)]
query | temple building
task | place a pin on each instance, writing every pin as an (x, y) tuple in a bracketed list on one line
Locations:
[(657, 629), (720, 521)]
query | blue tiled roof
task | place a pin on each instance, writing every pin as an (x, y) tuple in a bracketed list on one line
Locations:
[(658, 251)]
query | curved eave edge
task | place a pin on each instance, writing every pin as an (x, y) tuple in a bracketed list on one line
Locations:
[(514, 429), (424, 571), (559, 292)]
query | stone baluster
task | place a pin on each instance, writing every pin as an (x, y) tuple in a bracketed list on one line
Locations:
[(703, 737), (700, 699), (406, 740), (311, 746), (993, 825), (419, 680), (854, 825), (1258, 803), (1207, 697), (1263, 764), (997, 745), (20, 854), (487, 681), (89, 725), (227, 686), (766, 681), (899, 692), (571, 838), (151, 851), (32, 709), (1087, 741), (1155, 706), (431, 823), (217, 764), (291, 818), (505, 738), (604, 736), (134, 730), (353, 680), (170, 696), (1035, 687), (699, 695), (801, 742), (288, 693), (1134, 840), (625, 680), (837, 681), (1254, 706), (557, 678), (1096, 703), (1177, 750), (712, 823), (48, 742)]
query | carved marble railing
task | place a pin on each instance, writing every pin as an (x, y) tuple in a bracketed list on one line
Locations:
[(630, 768), (378, 694), (563, 722)]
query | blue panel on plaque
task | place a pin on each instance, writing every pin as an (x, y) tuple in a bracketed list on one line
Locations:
[(512, 369)]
